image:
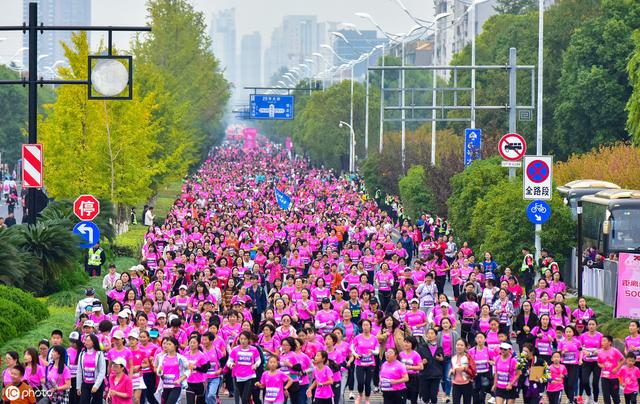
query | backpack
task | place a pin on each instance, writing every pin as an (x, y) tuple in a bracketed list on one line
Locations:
[(472, 369)]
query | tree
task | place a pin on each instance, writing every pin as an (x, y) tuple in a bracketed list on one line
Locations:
[(99, 147), (416, 197), (619, 163), (467, 189), (633, 105), (515, 6), (499, 224), (175, 63), (594, 85)]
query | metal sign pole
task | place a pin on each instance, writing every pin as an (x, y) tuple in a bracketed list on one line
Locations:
[(512, 101)]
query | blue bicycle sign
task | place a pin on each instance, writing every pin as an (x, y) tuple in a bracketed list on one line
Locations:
[(538, 212)]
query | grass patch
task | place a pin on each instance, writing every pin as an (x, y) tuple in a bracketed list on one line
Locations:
[(607, 324), (165, 199)]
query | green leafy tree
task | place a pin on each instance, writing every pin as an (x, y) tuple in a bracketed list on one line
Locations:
[(174, 62), (515, 6), (467, 189), (99, 147), (499, 224), (15, 266), (416, 197), (633, 105), (594, 86)]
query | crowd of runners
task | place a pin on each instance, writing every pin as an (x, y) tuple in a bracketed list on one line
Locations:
[(329, 301)]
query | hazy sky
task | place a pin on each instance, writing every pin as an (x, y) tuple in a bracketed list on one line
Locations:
[(251, 15)]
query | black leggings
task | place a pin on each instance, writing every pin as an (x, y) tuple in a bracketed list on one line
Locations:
[(171, 396), (479, 391), (630, 398), (148, 395), (393, 396), (195, 393), (554, 396), (73, 393), (570, 381), (413, 388), (610, 390), (364, 375), (440, 281), (336, 387), (87, 397), (244, 390), (461, 393), (385, 297), (588, 369), (429, 390)]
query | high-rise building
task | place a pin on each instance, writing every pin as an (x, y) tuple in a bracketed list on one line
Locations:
[(55, 12), (223, 36), (291, 43), (251, 60)]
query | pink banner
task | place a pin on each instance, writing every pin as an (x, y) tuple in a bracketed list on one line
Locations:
[(249, 138), (288, 143), (628, 300)]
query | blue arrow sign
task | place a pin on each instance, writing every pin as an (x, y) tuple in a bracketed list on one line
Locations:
[(472, 144), (89, 232), (538, 212), (271, 107)]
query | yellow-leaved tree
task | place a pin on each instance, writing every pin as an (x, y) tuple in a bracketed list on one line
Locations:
[(99, 147)]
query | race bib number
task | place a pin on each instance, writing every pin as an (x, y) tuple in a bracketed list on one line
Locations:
[(271, 394)]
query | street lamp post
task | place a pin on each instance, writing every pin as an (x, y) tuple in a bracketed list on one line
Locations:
[(352, 146)]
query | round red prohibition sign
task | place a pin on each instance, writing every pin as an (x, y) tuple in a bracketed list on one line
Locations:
[(537, 171), (512, 147)]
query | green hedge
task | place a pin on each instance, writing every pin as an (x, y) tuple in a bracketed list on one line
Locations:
[(23, 299), (129, 244)]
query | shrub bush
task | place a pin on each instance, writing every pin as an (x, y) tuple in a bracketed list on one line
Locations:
[(8, 330), (130, 243), (26, 301), (17, 315)]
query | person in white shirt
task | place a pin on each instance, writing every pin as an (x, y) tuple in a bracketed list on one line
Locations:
[(109, 280), (148, 217)]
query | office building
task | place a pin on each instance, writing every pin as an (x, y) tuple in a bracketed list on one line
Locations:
[(223, 36), (359, 43), (55, 12), (251, 60), (295, 40)]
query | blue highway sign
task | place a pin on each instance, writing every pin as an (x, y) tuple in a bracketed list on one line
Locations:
[(271, 106), (472, 144)]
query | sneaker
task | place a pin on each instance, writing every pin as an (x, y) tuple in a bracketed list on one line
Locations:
[(351, 396), (447, 399), (491, 400), (376, 389), (357, 400), (579, 400)]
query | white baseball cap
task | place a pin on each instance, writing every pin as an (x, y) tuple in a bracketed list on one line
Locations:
[(120, 361), (118, 334), (505, 345), (89, 323)]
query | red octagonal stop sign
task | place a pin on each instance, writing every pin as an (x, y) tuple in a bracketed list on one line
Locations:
[(86, 207)]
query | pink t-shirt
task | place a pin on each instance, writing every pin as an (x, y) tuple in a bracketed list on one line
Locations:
[(34, 379), (392, 371), (410, 359), (505, 371), (413, 319), (570, 350), (244, 360), (609, 358), (590, 346), (323, 376), (196, 360), (364, 347), (385, 280), (482, 358), (633, 345), (629, 377), (558, 373), (274, 386)]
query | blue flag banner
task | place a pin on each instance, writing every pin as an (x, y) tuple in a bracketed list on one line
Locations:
[(283, 200)]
